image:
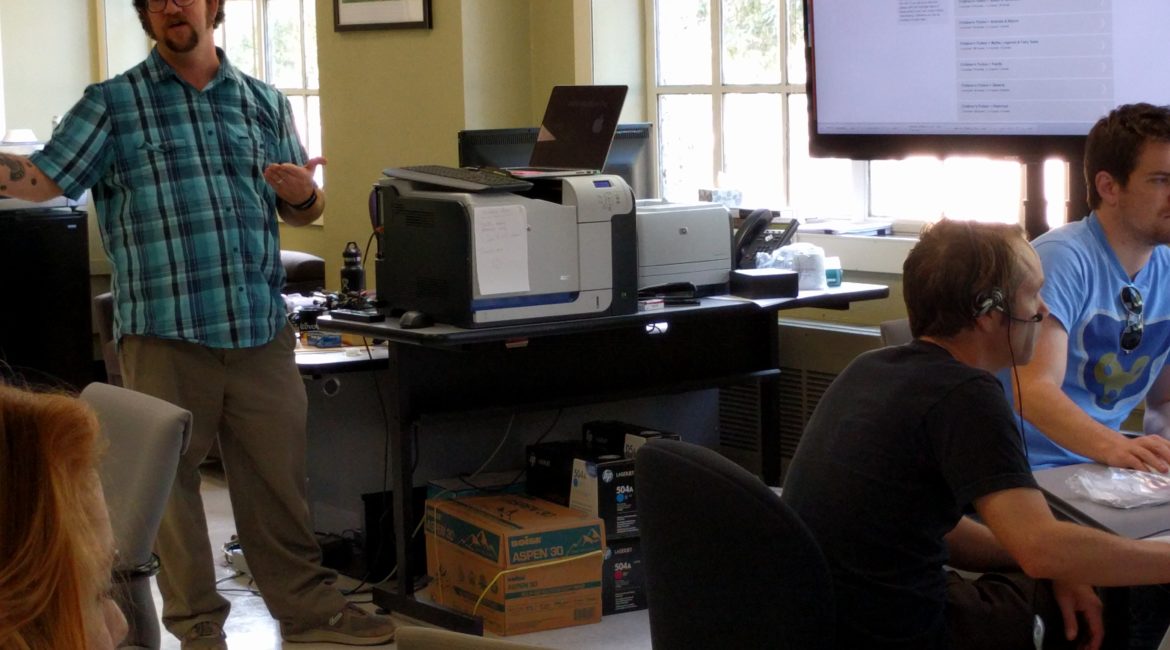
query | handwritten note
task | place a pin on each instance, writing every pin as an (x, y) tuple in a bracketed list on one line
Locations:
[(501, 248)]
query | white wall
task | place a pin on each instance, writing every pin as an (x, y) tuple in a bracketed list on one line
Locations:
[(121, 42), (619, 46), (46, 50)]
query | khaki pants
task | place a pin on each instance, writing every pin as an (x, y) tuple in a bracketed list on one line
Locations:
[(254, 400)]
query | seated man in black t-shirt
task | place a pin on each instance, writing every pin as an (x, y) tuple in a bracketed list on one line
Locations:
[(909, 438)]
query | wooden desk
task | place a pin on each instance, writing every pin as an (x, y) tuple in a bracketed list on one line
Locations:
[(445, 369)]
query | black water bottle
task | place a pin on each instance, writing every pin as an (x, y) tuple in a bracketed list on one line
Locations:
[(353, 276)]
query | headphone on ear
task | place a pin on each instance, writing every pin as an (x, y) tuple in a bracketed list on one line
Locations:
[(989, 300)]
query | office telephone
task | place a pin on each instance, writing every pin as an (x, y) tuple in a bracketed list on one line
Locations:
[(759, 235)]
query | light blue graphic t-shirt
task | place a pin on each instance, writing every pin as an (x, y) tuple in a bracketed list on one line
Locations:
[(1083, 284)]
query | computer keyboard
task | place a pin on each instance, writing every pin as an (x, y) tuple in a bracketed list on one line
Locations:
[(460, 178)]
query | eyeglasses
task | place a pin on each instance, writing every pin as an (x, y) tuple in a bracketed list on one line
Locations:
[(1034, 318), (157, 6), (1131, 334)]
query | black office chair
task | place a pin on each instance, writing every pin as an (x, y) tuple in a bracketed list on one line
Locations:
[(728, 564)]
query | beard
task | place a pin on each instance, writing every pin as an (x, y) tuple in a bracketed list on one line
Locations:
[(183, 44)]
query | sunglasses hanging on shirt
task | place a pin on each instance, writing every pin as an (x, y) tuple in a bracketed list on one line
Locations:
[(1131, 334)]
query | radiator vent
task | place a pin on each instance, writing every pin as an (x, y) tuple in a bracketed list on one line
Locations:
[(800, 392), (739, 425), (812, 353)]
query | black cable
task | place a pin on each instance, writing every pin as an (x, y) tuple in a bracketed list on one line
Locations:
[(242, 590), (500, 488), (366, 252), (1155, 533), (549, 428), (1016, 381), (372, 557)]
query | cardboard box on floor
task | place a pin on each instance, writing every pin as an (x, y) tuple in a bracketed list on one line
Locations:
[(536, 565)]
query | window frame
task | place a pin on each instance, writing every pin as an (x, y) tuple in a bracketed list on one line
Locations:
[(717, 89), (261, 64), (861, 178)]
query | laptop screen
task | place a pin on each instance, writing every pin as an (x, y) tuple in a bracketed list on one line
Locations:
[(578, 127)]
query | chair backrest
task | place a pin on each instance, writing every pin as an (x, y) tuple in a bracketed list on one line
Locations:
[(304, 272), (146, 437), (414, 637), (728, 564), (896, 332)]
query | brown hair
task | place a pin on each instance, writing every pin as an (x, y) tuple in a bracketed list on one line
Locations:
[(955, 266), (51, 557), (140, 7), (1115, 143)]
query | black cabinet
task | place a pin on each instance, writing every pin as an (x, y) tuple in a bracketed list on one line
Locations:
[(46, 336)]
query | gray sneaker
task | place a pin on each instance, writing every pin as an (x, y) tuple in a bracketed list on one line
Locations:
[(206, 635), (351, 626)]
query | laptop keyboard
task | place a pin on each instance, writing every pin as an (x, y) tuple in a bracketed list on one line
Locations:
[(461, 178)]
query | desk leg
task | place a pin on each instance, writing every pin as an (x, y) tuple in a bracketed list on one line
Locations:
[(771, 464), (401, 418)]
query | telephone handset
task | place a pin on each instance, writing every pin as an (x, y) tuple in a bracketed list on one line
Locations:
[(755, 236)]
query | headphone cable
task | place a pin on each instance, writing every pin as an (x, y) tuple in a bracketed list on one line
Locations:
[(1016, 384)]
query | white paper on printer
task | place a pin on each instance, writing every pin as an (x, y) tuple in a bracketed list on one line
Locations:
[(501, 248)]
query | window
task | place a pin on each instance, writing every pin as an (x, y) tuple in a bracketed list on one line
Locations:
[(731, 103), (276, 40)]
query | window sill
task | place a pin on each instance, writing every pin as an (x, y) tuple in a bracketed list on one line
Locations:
[(867, 253)]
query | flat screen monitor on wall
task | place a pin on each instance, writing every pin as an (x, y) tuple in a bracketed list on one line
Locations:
[(1022, 79), (629, 155)]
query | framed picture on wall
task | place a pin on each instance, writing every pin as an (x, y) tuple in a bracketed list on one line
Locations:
[(351, 15)]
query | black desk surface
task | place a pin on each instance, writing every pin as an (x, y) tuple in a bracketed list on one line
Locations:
[(1135, 523), (447, 335)]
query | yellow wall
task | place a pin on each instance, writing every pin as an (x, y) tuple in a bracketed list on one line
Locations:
[(552, 60), (400, 97), (497, 84)]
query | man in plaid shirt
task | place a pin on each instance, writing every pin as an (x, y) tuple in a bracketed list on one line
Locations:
[(189, 162)]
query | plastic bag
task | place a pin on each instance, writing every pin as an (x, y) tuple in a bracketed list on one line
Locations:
[(1121, 488), (806, 259)]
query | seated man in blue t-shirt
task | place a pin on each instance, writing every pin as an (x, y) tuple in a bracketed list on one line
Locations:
[(1104, 348), (908, 439)]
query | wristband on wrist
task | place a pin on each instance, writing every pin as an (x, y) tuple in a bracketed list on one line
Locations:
[(307, 203)]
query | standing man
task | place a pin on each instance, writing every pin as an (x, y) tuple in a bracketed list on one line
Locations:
[(910, 438), (190, 161), (1108, 285)]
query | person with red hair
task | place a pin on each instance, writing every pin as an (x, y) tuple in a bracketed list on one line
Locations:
[(56, 545)]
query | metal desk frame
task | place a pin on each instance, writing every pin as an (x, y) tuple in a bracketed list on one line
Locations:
[(444, 369)]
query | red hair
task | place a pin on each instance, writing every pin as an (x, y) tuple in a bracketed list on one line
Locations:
[(51, 557)]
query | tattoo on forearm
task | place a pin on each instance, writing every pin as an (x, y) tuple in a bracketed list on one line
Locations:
[(15, 169)]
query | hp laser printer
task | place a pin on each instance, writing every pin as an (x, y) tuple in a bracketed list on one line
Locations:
[(564, 249), (684, 242)]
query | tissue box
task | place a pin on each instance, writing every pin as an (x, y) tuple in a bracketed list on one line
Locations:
[(765, 283)]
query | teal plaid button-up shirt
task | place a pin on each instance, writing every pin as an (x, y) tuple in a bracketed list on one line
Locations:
[(186, 218)]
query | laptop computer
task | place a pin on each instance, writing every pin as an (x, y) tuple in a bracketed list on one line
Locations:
[(575, 135), (576, 132)]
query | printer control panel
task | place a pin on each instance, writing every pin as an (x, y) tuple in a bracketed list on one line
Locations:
[(598, 197)]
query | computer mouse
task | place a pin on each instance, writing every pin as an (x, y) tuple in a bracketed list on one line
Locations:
[(414, 319)]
